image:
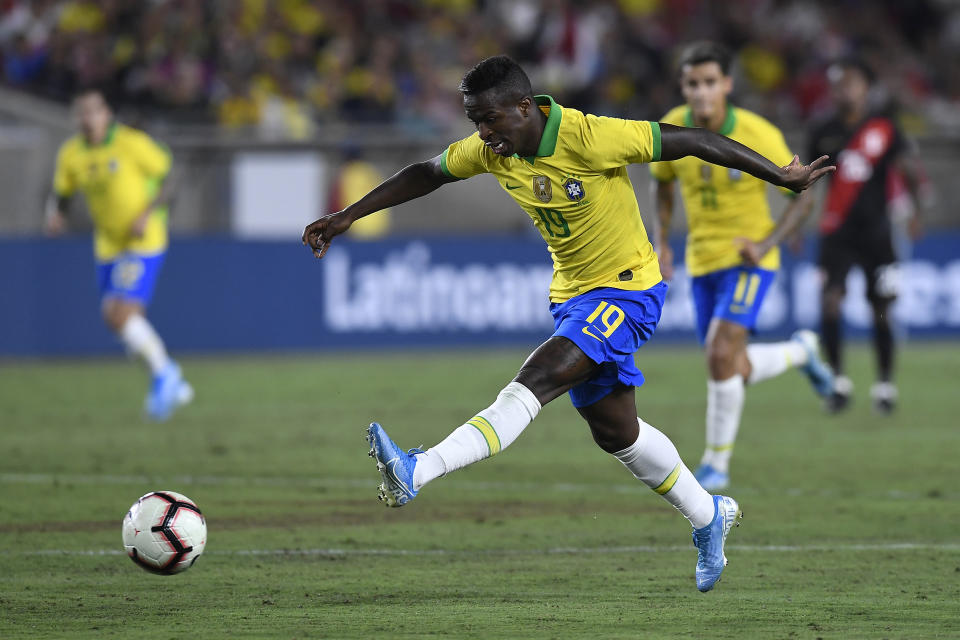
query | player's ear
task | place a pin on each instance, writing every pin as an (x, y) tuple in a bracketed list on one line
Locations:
[(524, 106)]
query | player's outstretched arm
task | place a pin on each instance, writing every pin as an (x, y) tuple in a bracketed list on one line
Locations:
[(409, 183), (677, 142)]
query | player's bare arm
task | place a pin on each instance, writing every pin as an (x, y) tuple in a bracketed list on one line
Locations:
[(909, 165), (663, 197), (678, 142), (409, 183), (793, 216), (55, 217), (162, 199)]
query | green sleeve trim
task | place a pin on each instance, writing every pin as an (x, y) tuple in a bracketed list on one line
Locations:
[(443, 165), (655, 130)]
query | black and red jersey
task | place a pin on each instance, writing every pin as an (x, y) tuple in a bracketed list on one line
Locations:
[(856, 200)]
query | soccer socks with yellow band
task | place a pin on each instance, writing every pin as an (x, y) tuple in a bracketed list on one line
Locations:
[(724, 407), (483, 435), (654, 461), (140, 338), (770, 360)]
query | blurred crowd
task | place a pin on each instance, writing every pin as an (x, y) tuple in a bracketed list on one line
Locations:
[(286, 67)]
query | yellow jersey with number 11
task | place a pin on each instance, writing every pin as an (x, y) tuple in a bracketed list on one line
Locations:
[(118, 178), (725, 204), (577, 192)]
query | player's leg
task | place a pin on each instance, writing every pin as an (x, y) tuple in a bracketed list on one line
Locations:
[(653, 459), (882, 289), (727, 303), (552, 369), (127, 286), (835, 260)]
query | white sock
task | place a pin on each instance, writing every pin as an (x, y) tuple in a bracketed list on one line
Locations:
[(140, 338), (654, 461), (724, 406), (483, 435), (769, 360)]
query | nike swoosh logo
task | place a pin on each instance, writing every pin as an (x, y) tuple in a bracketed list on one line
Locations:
[(509, 188), (587, 331), (393, 474)]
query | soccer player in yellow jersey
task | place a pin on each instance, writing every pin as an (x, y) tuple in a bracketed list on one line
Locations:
[(731, 255), (567, 170), (123, 174)]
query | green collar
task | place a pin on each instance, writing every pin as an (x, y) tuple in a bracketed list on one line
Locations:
[(548, 140), (107, 139), (725, 129)]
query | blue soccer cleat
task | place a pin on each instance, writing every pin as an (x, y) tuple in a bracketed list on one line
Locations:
[(711, 479), (395, 466), (168, 391), (710, 539), (818, 372)]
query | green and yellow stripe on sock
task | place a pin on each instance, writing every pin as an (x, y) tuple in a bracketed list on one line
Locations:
[(488, 432), (671, 480), (721, 448)]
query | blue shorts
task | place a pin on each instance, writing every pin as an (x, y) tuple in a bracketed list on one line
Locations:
[(609, 325), (733, 294), (129, 276)]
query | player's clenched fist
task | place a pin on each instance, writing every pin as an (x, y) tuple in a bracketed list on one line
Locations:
[(318, 234)]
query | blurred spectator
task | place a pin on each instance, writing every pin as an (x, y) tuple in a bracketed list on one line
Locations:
[(355, 179), (282, 67)]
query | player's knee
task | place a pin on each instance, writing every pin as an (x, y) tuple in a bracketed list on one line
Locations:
[(540, 380), (608, 437), (721, 358)]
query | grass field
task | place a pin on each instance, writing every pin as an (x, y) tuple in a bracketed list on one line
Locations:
[(851, 528)]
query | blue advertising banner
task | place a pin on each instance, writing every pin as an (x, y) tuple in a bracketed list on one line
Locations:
[(217, 294)]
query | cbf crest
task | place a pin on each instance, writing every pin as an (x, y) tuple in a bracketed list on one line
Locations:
[(542, 188), (574, 189)]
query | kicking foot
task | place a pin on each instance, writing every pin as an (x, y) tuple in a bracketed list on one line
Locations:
[(711, 479), (710, 539), (818, 372), (395, 466)]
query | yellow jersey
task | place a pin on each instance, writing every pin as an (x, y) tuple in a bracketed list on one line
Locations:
[(577, 192), (118, 178), (724, 204)]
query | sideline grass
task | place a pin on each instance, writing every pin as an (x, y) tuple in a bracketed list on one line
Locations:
[(552, 539)]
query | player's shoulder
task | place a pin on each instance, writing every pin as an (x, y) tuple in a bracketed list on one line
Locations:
[(676, 116), (71, 146), (126, 134), (754, 122)]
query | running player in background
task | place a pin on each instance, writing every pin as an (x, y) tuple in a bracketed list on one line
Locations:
[(855, 227), (567, 170), (732, 252), (123, 175)]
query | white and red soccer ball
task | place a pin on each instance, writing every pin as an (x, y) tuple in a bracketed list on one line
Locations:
[(164, 532)]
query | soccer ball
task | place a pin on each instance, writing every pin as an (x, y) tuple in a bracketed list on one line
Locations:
[(164, 532)]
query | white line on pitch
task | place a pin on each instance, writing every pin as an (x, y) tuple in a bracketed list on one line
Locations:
[(355, 483), (893, 546)]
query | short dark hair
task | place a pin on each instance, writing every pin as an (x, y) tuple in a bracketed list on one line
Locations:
[(87, 89), (500, 73), (705, 51), (855, 63)]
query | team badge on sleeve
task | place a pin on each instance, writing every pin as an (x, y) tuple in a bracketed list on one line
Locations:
[(574, 189), (542, 188)]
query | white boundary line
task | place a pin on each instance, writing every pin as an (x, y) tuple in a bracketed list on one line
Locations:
[(354, 483), (814, 548)]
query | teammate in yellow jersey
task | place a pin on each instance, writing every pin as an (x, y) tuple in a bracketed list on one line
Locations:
[(123, 175), (731, 255), (567, 170)]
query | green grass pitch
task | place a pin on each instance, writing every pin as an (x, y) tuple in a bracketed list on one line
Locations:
[(851, 527)]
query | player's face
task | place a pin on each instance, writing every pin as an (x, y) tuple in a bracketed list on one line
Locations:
[(504, 126), (93, 116), (849, 88), (705, 88)]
